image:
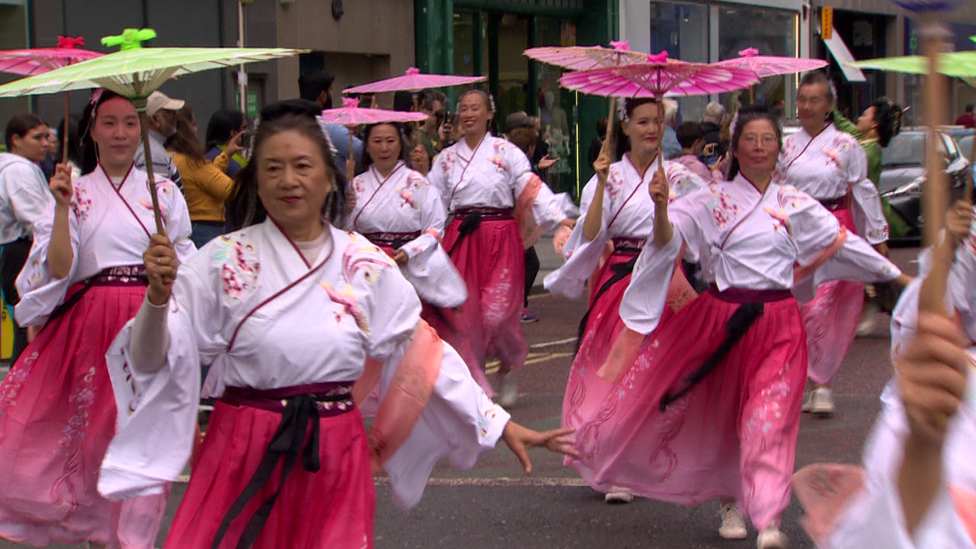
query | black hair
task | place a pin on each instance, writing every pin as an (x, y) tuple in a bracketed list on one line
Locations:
[(429, 96), (820, 77), (403, 101), (312, 84), (630, 105), (601, 127), (223, 124), (745, 115), (688, 133), (244, 207), (89, 151), (969, 107), (20, 125), (404, 143), (887, 116), (74, 140)]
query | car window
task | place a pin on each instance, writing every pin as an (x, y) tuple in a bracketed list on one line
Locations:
[(950, 147), (907, 149)]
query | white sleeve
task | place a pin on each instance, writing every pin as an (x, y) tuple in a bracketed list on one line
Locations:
[(868, 214), (875, 518), (27, 192), (545, 207), (433, 215), (644, 299), (178, 226), (582, 256), (438, 178), (40, 293)]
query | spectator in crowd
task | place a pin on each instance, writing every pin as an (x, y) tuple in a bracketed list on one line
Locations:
[(692, 140), (23, 196), (223, 126), (161, 111), (967, 118), (434, 138), (711, 128), (317, 86)]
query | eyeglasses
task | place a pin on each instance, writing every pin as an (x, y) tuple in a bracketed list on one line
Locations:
[(753, 139)]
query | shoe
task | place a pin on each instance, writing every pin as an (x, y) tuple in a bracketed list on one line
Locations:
[(528, 317), (733, 525), (508, 393), (618, 495), (772, 538), (821, 402), (807, 403), (866, 325)]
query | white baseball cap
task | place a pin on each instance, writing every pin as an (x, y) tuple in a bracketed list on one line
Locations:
[(158, 101)]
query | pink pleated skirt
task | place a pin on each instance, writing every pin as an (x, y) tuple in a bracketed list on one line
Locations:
[(330, 509), (57, 417), (831, 319), (733, 435), (491, 260)]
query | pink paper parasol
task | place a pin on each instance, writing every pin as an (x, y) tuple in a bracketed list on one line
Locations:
[(768, 65), (42, 60), (414, 80), (579, 58), (657, 77), (350, 113)]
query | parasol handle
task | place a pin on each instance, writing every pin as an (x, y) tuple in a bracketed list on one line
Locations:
[(968, 191), (144, 123), (933, 290), (660, 147), (613, 108), (351, 166), (64, 130)]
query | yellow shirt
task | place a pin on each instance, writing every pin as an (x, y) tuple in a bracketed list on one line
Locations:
[(205, 185)]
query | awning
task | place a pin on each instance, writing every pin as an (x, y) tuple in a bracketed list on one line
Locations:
[(843, 56)]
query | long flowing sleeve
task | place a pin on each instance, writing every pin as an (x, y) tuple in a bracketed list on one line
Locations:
[(459, 421), (874, 517), (582, 255), (646, 295), (867, 211), (529, 189), (40, 292), (826, 253)]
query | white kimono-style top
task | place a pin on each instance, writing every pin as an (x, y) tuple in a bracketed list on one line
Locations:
[(493, 175), (628, 212), (750, 240), (251, 306), (406, 202), (110, 227), (828, 167), (874, 516)]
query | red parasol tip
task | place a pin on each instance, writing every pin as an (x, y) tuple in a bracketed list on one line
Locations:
[(620, 45), (658, 57), (70, 42), (749, 52), (413, 71)]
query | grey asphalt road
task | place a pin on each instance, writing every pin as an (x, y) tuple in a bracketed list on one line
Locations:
[(495, 506)]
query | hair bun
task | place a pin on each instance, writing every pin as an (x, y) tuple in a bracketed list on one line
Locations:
[(298, 107)]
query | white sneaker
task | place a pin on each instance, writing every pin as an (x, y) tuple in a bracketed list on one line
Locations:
[(822, 403), (772, 538), (618, 495), (733, 525), (866, 325), (508, 392), (807, 403)]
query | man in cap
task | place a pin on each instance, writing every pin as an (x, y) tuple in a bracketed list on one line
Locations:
[(161, 111)]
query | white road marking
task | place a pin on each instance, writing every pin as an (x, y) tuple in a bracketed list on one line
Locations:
[(502, 481), (553, 343)]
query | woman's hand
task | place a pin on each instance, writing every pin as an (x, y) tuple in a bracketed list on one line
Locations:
[(236, 143), (60, 185), (401, 258), (958, 220), (161, 265), (547, 162), (602, 164), (659, 189), (420, 160), (520, 439)]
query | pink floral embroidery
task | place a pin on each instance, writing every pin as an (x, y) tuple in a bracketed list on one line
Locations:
[(833, 157), (406, 198), (147, 204), (496, 303), (614, 183), (240, 268), (721, 220), (790, 197), (359, 256), (781, 219), (81, 203), (82, 399), (448, 163), (499, 163), (349, 306), (14, 382)]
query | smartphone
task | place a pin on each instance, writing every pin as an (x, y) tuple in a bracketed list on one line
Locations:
[(246, 141)]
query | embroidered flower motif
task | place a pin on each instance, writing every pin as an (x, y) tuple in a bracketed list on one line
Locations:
[(240, 268), (790, 197), (496, 303), (499, 163), (353, 260), (81, 203), (81, 399), (14, 382), (614, 183), (448, 163), (833, 157), (162, 211), (349, 306), (721, 220), (406, 198), (781, 219)]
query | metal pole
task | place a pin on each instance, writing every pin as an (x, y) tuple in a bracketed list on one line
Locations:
[(241, 71)]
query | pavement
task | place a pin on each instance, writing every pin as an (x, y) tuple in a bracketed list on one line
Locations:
[(495, 505)]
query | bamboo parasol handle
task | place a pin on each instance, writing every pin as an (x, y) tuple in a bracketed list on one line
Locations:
[(144, 122), (933, 290), (64, 130)]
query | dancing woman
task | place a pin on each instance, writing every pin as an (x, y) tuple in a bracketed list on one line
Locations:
[(711, 403), (617, 209), (83, 281), (831, 166), (287, 310), (487, 184)]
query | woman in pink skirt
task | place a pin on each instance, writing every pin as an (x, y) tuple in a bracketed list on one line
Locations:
[(711, 405), (82, 282), (287, 310), (487, 184), (618, 210), (831, 166)]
